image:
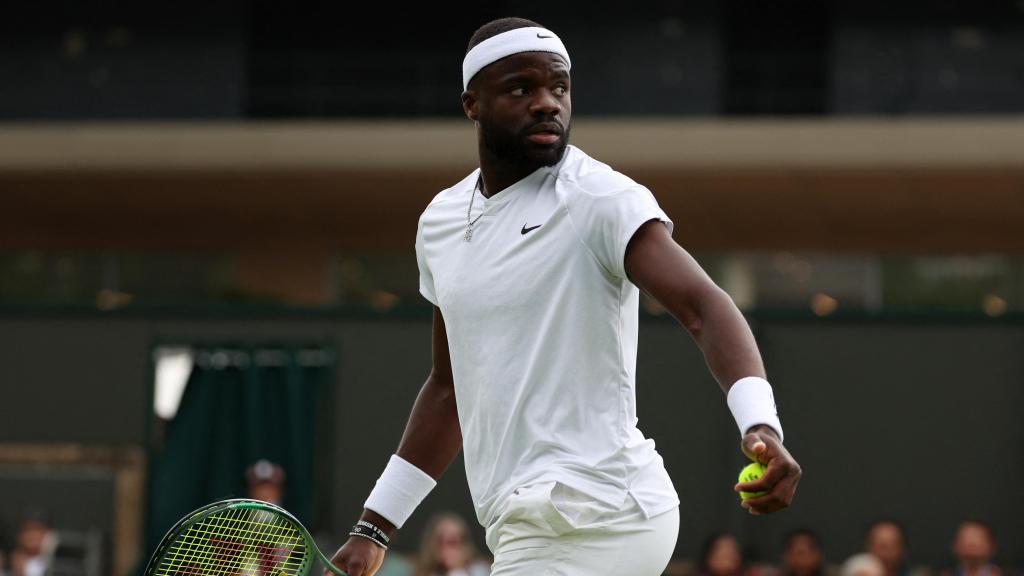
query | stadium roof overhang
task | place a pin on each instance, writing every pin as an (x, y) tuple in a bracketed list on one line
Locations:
[(911, 185)]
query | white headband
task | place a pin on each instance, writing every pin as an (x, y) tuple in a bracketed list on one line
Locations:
[(508, 43)]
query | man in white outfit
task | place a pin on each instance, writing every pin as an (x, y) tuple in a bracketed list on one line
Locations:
[(534, 263)]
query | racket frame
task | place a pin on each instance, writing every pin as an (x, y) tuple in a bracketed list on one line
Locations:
[(242, 504)]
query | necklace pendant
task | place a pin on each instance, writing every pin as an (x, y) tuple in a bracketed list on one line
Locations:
[(468, 236)]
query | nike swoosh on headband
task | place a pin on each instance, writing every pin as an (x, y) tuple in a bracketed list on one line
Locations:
[(532, 39)]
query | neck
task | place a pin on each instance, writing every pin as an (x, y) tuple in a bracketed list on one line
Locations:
[(972, 567), (498, 173)]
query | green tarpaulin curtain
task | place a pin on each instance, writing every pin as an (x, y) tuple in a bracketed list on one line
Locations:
[(240, 405)]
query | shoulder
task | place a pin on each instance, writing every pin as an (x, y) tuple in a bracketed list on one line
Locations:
[(582, 177), (445, 199), (594, 194)]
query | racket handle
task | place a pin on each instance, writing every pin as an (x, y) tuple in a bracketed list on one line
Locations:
[(328, 564)]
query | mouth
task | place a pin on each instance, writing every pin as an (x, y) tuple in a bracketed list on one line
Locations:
[(546, 133)]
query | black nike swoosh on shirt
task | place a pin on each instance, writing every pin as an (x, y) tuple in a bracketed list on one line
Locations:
[(526, 230), (539, 36)]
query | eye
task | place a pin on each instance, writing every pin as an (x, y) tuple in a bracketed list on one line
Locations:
[(518, 91), (560, 90)]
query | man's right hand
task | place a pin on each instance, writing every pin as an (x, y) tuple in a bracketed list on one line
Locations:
[(358, 557)]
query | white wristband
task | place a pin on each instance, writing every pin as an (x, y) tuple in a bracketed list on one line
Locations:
[(399, 490), (751, 402)]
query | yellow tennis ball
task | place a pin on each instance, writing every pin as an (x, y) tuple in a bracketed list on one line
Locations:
[(750, 473)]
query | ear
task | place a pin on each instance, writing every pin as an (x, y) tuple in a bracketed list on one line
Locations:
[(470, 105)]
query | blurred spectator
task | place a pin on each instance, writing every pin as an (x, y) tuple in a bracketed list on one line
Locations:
[(801, 555), (394, 565), (974, 546), (863, 565), (446, 549), (34, 547), (887, 540), (265, 482), (721, 556)]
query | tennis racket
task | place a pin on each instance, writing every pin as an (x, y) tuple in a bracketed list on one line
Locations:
[(238, 538)]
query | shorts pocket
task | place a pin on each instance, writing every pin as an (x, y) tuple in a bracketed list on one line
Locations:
[(577, 509), (559, 514), (527, 519)]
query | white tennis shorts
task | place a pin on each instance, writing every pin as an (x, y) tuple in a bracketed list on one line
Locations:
[(551, 529)]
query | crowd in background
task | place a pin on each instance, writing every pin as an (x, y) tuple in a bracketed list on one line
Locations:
[(885, 553), (446, 548), (447, 551)]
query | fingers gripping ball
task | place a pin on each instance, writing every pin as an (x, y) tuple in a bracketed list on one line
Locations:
[(751, 472)]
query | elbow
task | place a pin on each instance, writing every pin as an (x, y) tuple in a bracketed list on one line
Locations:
[(440, 388), (702, 306), (694, 323)]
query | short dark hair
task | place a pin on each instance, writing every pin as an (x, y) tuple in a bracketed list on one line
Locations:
[(709, 545), (495, 27), (979, 523), (808, 533), (891, 522)]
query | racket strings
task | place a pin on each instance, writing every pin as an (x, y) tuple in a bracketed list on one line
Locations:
[(239, 545), (250, 547), (236, 542)]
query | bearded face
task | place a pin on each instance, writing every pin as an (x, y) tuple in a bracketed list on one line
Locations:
[(523, 109), (514, 146)]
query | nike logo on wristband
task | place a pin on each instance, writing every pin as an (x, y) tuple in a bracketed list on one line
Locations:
[(539, 36)]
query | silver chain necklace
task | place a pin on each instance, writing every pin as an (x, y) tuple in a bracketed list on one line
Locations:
[(468, 236)]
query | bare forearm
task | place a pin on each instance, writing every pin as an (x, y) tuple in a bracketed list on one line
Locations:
[(431, 441), (432, 436), (659, 266), (724, 337)]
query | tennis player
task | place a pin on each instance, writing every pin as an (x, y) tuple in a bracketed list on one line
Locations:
[(534, 263)]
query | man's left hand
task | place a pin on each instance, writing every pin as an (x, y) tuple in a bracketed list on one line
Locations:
[(779, 480)]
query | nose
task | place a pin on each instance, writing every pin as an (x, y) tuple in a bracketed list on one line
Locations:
[(545, 103)]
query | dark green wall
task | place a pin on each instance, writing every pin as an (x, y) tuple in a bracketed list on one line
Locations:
[(909, 419)]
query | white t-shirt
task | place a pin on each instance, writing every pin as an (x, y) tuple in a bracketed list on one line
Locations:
[(542, 332)]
